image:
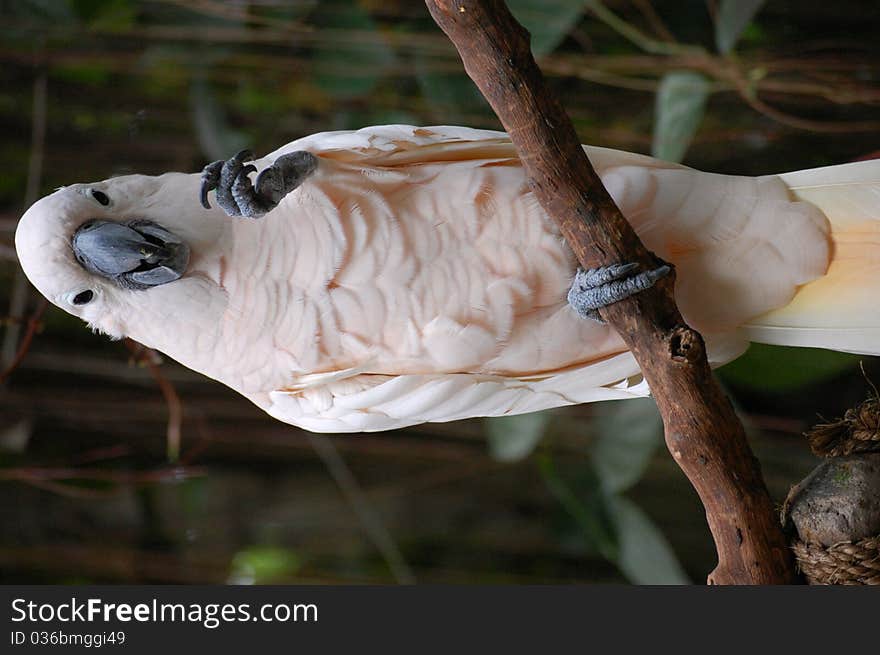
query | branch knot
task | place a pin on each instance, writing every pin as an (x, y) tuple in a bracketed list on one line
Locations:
[(685, 345)]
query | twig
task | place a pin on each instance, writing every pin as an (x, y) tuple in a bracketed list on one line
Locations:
[(58, 479), (702, 431), (35, 173), (33, 324), (647, 10), (101, 454), (749, 93), (147, 357), (636, 36), (372, 524), (232, 12), (43, 473), (69, 490)]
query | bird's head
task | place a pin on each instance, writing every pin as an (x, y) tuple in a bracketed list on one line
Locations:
[(108, 251)]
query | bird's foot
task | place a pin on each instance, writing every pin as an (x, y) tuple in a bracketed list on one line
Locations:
[(238, 197), (600, 287)]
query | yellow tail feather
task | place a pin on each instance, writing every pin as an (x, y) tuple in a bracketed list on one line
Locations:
[(840, 311)]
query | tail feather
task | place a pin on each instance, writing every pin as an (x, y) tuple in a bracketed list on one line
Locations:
[(848, 194), (841, 310)]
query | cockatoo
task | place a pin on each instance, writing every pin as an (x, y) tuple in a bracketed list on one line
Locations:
[(379, 278)]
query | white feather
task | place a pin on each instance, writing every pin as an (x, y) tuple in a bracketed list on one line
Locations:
[(840, 310), (415, 277)]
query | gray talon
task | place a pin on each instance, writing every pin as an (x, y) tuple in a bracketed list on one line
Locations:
[(210, 178), (249, 204), (600, 287), (285, 174), (237, 196), (229, 172), (596, 277)]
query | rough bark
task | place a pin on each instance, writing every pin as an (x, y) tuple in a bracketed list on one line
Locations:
[(703, 433)]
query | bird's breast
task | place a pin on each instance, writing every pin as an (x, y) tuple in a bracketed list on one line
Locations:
[(443, 267)]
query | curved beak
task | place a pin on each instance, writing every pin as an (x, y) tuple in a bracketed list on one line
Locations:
[(138, 254)]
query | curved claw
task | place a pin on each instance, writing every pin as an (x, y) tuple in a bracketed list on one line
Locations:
[(599, 287), (250, 204), (229, 173), (203, 192), (210, 178), (238, 196)]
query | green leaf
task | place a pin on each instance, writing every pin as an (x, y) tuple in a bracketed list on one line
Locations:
[(678, 111), (262, 564), (733, 17), (351, 68), (628, 436), (643, 553), (513, 438), (780, 369), (548, 21), (589, 515)]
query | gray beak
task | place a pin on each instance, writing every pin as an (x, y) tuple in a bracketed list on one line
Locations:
[(137, 255)]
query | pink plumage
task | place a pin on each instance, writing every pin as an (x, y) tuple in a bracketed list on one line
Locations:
[(414, 277)]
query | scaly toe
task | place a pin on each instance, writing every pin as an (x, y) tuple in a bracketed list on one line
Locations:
[(284, 175), (600, 287), (228, 175), (210, 179), (596, 277), (250, 203)]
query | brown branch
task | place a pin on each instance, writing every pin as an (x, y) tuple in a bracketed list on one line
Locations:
[(750, 95), (660, 29), (33, 324), (703, 433)]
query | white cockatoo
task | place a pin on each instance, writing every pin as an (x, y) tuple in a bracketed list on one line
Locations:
[(384, 277)]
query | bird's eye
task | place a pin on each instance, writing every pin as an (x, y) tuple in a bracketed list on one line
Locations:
[(100, 197), (83, 297)]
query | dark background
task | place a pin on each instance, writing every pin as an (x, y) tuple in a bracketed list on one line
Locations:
[(92, 89)]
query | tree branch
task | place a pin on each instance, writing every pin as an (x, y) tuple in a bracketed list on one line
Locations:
[(703, 433)]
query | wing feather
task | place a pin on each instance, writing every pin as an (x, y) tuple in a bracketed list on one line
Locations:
[(377, 402), (395, 145)]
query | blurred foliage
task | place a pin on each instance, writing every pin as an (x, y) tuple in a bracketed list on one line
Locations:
[(548, 21), (733, 18), (644, 554), (354, 66), (629, 435), (680, 103), (616, 528), (780, 369), (514, 438), (216, 137), (611, 525), (263, 565), (571, 495)]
